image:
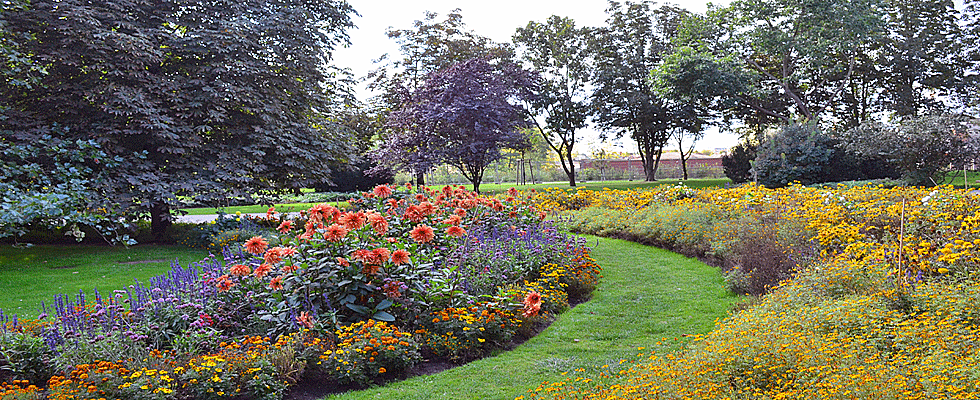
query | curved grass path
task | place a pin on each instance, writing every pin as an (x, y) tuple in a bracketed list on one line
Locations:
[(646, 294)]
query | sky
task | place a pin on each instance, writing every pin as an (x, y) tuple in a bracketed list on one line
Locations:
[(497, 20)]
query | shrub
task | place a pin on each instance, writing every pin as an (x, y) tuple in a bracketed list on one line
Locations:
[(738, 164)]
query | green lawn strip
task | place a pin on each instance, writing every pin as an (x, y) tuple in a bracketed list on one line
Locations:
[(493, 188), (486, 188), (646, 295), (29, 276), (288, 207)]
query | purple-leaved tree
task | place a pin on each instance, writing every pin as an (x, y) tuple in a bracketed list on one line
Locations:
[(462, 116)]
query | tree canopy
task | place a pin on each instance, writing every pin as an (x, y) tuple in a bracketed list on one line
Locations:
[(464, 116), (559, 51), (207, 99)]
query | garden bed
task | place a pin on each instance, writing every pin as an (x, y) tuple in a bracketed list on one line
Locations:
[(356, 297)]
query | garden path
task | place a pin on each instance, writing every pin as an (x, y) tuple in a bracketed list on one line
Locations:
[(647, 298)]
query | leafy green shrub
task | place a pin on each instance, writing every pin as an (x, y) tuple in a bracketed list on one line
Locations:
[(26, 357), (738, 164), (226, 231)]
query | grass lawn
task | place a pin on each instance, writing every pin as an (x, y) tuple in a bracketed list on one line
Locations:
[(485, 188), (646, 295), (955, 178), (288, 207), (29, 276), (491, 188)]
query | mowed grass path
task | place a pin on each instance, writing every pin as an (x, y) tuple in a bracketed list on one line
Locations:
[(646, 295), (30, 276)]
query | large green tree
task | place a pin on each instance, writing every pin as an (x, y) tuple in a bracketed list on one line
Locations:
[(921, 55), (559, 52), (205, 99), (802, 54), (634, 42)]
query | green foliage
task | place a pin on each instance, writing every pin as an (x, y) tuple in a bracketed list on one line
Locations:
[(797, 153), (225, 231), (56, 183), (738, 164), (558, 50), (25, 356), (924, 149), (193, 101), (625, 100)]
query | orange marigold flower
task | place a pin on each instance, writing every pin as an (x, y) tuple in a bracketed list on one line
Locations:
[(419, 197), (343, 261), (460, 212), (335, 232), (422, 234), (427, 207), (455, 231), (276, 283), (262, 270), (399, 257), (453, 220), (382, 370), (285, 226), (382, 191), (240, 270), (256, 245)]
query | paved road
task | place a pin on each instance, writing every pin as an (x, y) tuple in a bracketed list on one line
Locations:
[(197, 219)]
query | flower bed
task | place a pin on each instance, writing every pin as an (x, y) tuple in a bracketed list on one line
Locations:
[(358, 296), (869, 292)]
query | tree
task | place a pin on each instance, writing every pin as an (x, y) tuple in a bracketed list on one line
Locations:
[(431, 45), (205, 99), (55, 184), (801, 52), (923, 148), (921, 56), (625, 99), (558, 51), (464, 115)]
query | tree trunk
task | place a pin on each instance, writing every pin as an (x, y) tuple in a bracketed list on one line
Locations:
[(684, 165), (160, 220), (570, 171), (419, 179)]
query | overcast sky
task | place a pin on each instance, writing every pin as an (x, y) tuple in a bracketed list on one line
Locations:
[(497, 20)]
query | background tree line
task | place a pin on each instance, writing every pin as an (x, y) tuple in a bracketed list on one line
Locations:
[(205, 100)]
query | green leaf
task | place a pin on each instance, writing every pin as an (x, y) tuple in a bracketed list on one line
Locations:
[(383, 316)]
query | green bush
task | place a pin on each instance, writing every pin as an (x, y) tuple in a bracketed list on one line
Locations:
[(25, 356)]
